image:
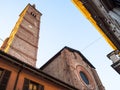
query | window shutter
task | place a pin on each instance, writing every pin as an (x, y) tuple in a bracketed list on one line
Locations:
[(41, 87), (26, 84), (4, 80)]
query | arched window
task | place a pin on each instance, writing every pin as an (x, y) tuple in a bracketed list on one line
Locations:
[(33, 14)]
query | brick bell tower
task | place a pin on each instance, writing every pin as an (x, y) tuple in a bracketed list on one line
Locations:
[(23, 40)]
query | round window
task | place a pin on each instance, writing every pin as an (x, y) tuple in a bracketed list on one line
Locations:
[(84, 77)]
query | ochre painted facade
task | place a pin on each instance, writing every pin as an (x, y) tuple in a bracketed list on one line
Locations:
[(20, 71)]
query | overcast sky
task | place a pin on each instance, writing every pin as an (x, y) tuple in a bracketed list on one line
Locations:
[(62, 24)]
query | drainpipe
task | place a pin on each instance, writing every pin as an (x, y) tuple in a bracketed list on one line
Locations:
[(18, 74)]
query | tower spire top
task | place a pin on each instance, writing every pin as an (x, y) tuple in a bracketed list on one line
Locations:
[(33, 5)]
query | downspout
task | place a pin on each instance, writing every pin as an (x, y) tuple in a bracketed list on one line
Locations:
[(18, 74)]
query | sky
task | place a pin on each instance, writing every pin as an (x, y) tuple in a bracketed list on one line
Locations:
[(62, 24)]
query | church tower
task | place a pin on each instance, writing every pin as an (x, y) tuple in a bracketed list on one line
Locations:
[(71, 67), (23, 40)]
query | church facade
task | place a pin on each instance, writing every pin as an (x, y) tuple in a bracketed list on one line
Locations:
[(67, 70)]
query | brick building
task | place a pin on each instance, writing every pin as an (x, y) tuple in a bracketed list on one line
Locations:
[(67, 70)]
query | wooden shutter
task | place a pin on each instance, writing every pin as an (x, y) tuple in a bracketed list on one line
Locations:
[(4, 79), (41, 87), (26, 84)]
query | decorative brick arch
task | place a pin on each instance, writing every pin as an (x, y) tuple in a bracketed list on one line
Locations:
[(91, 84)]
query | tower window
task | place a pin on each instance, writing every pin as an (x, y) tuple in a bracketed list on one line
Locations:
[(33, 14), (84, 77)]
